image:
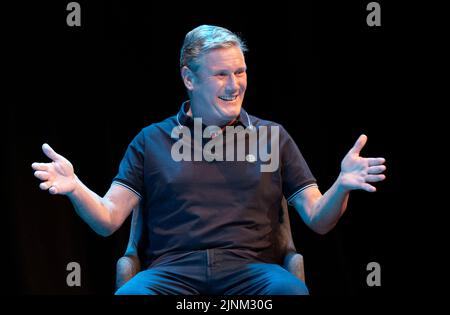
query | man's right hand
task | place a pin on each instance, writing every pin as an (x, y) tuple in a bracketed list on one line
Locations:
[(58, 176)]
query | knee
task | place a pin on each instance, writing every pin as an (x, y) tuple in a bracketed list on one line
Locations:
[(291, 286), (141, 284), (131, 289)]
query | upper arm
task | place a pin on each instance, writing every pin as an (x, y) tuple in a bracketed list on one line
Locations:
[(120, 201), (305, 201)]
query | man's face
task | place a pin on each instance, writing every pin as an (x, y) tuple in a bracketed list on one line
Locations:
[(219, 85)]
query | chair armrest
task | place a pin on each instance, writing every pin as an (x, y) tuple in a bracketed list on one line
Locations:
[(127, 267), (293, 262)]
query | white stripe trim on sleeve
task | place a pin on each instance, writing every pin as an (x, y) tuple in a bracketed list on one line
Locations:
[(299, 191), (128, 187)]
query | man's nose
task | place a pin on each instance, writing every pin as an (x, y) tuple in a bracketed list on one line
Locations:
[(232, 84)]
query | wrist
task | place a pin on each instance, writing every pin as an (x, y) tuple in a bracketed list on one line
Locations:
[(76, 187), (343, 183)]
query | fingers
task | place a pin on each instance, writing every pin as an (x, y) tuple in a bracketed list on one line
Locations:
[(368, 187), (376, 161), (43, 171), (42, 175), (45, 185), (376, 169), (40, 166), (359, 144), (375, 178), (53, 190), (48, 186), (50, 153)]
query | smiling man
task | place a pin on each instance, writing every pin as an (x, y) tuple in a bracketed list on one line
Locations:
[(216, 80), (210, 223)]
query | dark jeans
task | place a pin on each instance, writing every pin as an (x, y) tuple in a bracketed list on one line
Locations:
[(213, 272)]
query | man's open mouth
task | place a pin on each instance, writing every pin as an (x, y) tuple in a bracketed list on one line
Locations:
[(228, 98)]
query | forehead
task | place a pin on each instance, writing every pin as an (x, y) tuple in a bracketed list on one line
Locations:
[(223, 58)]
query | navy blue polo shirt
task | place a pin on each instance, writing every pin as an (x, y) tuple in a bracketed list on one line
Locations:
[(197, 205)]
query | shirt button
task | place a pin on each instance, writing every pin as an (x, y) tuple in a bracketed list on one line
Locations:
[(250, 158)]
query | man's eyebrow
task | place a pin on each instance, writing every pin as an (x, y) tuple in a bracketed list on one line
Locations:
[(240, 69)]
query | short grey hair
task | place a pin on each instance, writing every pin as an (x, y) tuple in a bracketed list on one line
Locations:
[(205, 38)]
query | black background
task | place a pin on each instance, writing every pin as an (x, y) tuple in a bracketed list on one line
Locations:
[(314, 67)]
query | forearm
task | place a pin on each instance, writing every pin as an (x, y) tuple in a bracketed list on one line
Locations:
[(329, 208), (91, 208)]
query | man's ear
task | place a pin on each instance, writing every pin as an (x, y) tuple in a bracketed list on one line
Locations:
[(188, 78)]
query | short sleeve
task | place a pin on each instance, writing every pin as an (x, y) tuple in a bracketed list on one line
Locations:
[(296, 175), (131, 169)]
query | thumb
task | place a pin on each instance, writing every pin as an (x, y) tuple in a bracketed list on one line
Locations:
[(359, 144), (50, 153)]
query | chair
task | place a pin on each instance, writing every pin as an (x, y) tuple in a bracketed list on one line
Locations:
[(130, 264)]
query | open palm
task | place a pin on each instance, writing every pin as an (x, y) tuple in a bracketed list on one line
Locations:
[(358, 172), (57, 176)]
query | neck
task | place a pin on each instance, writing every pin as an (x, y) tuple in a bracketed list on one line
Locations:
[(210, 118)]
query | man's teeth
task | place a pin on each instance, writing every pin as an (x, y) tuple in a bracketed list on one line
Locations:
[(228, 98)]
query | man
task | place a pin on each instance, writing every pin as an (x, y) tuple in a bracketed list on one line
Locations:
[(210, 220)]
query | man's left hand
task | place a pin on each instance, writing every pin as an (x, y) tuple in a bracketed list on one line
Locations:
[(358, 172)]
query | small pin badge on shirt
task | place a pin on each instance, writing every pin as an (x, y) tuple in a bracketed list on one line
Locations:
[(250, 158)]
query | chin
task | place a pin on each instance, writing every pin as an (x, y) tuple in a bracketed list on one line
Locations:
[(231, 112)]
